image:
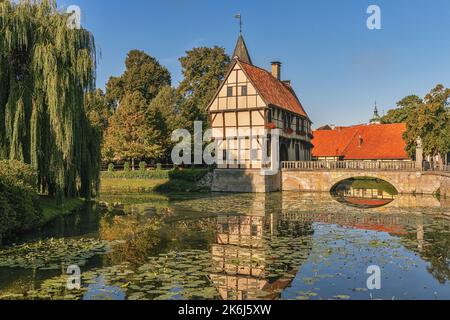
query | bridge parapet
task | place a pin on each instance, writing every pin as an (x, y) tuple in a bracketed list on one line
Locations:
[(394, 165)]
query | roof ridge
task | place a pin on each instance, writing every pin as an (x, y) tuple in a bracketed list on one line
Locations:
[(291, 90)]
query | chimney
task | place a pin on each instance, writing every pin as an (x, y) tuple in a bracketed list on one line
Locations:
[(276, 69)]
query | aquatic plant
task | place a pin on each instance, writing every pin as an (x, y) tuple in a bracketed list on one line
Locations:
[(52, 254)]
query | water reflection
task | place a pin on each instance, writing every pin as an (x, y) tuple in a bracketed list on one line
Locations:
[(245, 263), (247, 246), (364, 192)]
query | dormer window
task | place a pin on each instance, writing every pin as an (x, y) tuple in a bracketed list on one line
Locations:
[(229, 91)]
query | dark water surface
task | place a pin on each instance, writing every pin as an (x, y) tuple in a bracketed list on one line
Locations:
[(235, 246)]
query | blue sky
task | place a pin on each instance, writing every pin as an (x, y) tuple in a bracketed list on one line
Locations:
[(338, 67)]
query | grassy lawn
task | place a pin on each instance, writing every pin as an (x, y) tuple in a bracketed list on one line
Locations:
[(131, 185), (152, 181), (109, 185), (51, 210)]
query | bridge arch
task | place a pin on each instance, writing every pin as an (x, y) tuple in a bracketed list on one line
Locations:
[(350, 175), (324, 181)]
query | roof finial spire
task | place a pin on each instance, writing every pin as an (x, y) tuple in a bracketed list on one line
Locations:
[(239, 17), (241, 51), (376, 116)]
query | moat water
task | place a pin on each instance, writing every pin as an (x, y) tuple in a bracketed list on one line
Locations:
[(236, 246)]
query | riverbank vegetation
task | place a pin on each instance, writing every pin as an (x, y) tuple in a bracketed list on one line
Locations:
[(46, 67), (19, 209), (175, 180), (22, 208)]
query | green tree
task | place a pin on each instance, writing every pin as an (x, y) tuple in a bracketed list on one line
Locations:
[(129, 137), (165, 116), (431, 122), (405, 107), (143, 73), (97, 109), (45, 68), (132, 134), (203, 70)]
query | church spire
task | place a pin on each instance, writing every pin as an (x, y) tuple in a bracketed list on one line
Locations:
[(241, 50), (376, 119)]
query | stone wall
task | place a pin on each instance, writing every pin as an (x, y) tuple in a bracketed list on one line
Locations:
[(244, 180), (445, 186), (252, 181)]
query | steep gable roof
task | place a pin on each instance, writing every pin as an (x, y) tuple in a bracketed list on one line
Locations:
[(378, 141), (273, 91), (241, 50)]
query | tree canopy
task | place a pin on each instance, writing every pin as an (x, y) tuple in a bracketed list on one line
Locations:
[(203, 70), (143, 73), (131, 134), (405, 107), (427, 119), (97, 109), (128, 135), (430, 121), (149, 109), (45, 69)]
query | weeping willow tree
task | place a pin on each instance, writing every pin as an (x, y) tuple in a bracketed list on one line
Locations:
[(45, 70)]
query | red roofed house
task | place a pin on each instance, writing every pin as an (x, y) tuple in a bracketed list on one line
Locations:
[(362, 142), (251, 98)]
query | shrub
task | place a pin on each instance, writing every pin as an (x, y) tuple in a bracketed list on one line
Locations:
[(19, 209), (191, 175), (18, 173), (111, 167), (142, 165), (151, 174), (127, 166), (158, 166)]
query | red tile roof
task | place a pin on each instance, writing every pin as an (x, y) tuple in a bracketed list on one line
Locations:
[(376, 141), (272, 90)]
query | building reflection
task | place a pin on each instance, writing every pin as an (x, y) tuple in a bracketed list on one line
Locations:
[(243, 257), (363, 197)]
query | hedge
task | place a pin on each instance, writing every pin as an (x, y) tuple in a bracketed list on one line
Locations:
[(191, 175)]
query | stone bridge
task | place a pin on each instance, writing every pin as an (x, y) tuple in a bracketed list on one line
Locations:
[(404, 176)]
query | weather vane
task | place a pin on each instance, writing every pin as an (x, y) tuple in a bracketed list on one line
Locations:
[(238, 16)]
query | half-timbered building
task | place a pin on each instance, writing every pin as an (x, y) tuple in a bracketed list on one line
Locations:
[(250, 103)]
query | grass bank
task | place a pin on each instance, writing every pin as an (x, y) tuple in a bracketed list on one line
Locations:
[(51, 210), (163, 181)]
